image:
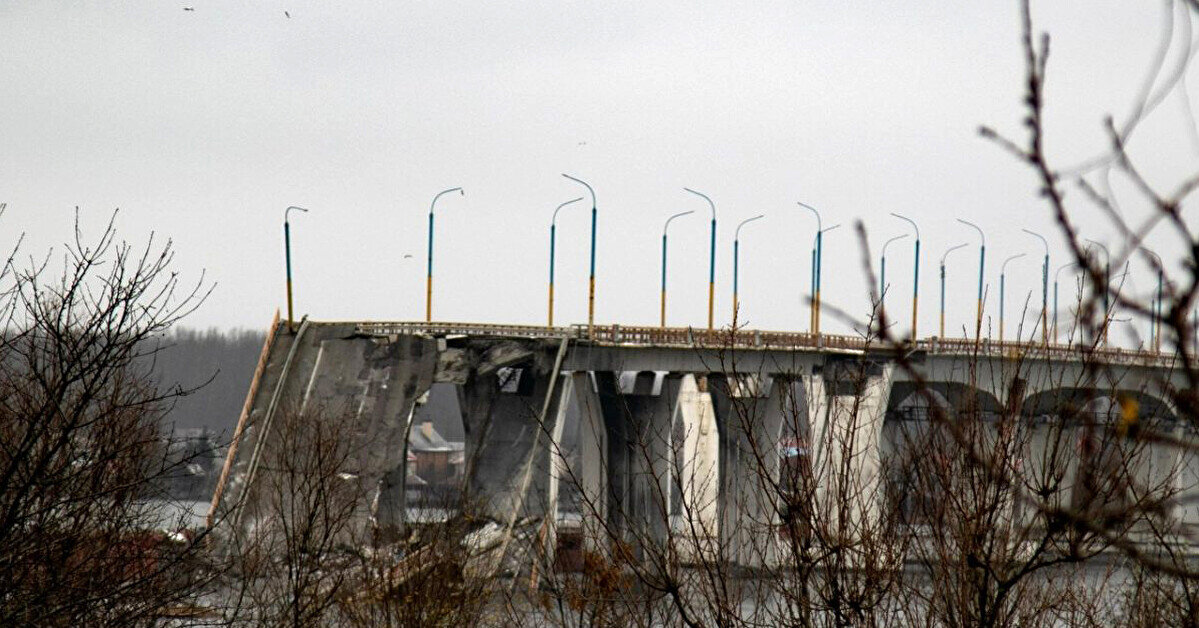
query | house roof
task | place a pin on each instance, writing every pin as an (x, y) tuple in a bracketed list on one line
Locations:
[(425, 438)]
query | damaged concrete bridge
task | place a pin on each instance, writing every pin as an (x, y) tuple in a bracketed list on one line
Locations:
[(661, 433)]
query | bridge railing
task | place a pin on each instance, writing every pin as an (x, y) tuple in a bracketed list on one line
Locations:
[(759, 339), (461, 329), (1015, 349)]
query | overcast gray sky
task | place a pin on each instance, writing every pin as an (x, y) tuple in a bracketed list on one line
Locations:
[(204, 125)]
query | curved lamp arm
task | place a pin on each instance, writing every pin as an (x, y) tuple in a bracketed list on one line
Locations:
[(584, 183), (443, 193), (678, 215), (1003, 266), (888, 242), (1059, 270), (1155, 256), (1106, 255), (950, 250), (832, 228), (909, 221), (976, 228), (1039, 237), (737, 232), (705, 197), (287, 212), (813, 210), (573, 200)]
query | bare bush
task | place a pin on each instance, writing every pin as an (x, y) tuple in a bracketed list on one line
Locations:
[(82, 456)]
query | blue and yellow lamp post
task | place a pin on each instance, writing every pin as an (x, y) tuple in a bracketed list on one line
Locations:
[(591, 278), (1155, 328), (882, 277), (429, 268), (818, 271), (1056, 274), (1107, 282), (915, 272), (711, 258), (817, 262), (812, 290), (736, 258), (1044, 288), (287, 255), (664, 228), (943, 258), (982, 263), (553, 237), (1002, 274)]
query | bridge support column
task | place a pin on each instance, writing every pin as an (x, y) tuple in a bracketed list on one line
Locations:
[(508, 443), (592, 472), (751, 423), (849, 402), (647, 442), (393, 376), (560, 470), (695, 472)]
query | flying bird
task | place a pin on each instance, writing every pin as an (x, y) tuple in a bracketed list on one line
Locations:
[(287, 14), (407, 256), (189, 8)]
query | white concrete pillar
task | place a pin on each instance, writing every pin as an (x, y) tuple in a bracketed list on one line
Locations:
[(592, 471), (649, 463), (559, 470), (847, 461), (695, 472), (755, 535)]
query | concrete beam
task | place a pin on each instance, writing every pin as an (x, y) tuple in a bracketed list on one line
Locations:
[(501, 417)]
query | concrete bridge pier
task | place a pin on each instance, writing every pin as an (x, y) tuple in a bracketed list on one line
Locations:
[(850, 401), (390, 377), (651, 464), (695, 472), (632, 457), (638, 430), (751, 413), (594, 463), (509, 416), (623, 440)]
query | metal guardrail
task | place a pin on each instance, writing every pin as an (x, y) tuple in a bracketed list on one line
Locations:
[(759, 339), (463, 329)]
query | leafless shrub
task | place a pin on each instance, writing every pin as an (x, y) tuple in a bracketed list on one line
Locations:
[(82, 456)]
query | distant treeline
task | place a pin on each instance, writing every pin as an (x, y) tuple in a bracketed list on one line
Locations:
[(218, 364)]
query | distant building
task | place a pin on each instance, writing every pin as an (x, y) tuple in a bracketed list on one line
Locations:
[(193, 458), (437, 462)]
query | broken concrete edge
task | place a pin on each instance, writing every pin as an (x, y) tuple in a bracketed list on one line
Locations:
[(263, 357)]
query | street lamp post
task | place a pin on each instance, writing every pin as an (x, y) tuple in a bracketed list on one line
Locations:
[(915, 272), (1057, 273), (882, 279), (1002, 274), (1044, 288), (429, 271), (287, 255), (982, 262), (553, 233), (736, 255), (664, 228), (812, 292), (817, 274), (817, 262), (1107, 279), (945, 255), (711, 257), (1155, 326), (591, 278)]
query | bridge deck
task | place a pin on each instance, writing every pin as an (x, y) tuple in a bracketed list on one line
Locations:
[(675, 337)]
